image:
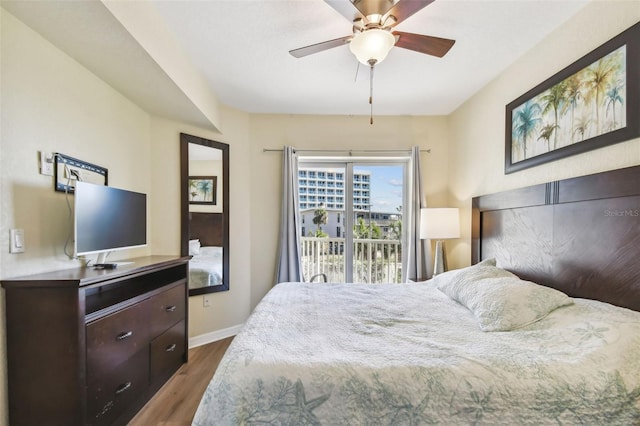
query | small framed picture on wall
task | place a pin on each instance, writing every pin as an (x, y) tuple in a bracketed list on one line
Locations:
[(202, 190)]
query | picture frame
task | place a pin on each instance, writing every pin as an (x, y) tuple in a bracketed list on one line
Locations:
[(203, 190), (592, 103)]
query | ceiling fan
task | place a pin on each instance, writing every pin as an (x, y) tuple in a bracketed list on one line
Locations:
[(373, 38)]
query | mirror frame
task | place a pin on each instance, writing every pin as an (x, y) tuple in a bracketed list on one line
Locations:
[(185, 140)]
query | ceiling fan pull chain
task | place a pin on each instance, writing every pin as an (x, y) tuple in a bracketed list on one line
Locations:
[(372, 62)]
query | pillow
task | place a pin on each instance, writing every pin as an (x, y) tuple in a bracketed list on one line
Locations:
[(471, 269), (194, 247), (499, 300), (211, 251), (485, 269)]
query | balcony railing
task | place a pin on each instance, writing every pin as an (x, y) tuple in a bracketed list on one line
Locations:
[(374, 261)]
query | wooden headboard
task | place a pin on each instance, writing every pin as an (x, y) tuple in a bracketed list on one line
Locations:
[(206, 227), (580, 235)]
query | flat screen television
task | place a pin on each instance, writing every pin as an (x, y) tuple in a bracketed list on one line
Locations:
[(108, 219)]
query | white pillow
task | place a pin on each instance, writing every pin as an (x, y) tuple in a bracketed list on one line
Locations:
[(448, 274), (499, 300), (211, 251), (194, 247)]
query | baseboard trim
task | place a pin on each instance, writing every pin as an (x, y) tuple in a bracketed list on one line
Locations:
[(214, 336)]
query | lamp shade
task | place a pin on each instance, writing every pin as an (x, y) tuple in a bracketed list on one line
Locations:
[(372, 44), (439, 223)]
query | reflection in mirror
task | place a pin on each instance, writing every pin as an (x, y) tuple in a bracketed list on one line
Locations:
[(204, 180)]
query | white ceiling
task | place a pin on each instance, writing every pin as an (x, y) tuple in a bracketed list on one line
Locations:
[(241, 47)]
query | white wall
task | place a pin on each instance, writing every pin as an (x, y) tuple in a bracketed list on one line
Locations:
[(476, 161), (50, 102)]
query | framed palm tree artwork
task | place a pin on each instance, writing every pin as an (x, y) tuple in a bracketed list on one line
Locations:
[(202, 189), (592, 103)]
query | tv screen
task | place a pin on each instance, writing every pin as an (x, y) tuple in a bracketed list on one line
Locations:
[(108, 219)]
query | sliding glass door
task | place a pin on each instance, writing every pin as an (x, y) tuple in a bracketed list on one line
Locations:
[(322, 202), (351, 218)]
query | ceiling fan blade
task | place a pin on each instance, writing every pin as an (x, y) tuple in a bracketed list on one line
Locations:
[(405, 8), (346, 9), (429, 45), (319, 47)]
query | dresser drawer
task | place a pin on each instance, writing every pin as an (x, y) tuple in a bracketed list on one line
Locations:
[(112, 393), (167, 308), (167, 352), (114, 338)]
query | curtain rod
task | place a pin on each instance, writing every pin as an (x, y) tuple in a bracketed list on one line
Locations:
[(350, 151)]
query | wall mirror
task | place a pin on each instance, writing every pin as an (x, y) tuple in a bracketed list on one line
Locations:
[(204, 194)]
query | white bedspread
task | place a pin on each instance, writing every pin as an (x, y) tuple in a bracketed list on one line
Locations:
[(350, 354), (205, 268)]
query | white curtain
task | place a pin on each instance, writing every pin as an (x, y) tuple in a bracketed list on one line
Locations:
[(289, 266), (416, 264)]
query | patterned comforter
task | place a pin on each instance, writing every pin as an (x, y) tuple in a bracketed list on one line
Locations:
[(406, 354)]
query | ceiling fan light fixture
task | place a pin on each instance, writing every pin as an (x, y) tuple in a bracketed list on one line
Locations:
[(373, 44)]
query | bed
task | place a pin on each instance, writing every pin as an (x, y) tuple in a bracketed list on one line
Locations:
[(551, 335), (205, 249), (205, 266)]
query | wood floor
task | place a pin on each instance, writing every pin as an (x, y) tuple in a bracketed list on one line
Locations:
[(176, 403)]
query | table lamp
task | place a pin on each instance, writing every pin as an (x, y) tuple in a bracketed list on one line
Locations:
[(439, 224)]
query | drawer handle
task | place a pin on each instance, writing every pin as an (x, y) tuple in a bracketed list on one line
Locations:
[(123, 388), (171, 348), (170, 308), (123, 336)]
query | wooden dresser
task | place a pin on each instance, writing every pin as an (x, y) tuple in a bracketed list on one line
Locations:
[(90, 347)]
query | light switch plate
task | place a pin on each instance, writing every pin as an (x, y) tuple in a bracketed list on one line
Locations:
[(16, 241), (46, 163)]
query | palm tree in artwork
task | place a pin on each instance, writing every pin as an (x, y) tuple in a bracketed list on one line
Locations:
[(204, 187), (546, 132), (525, 120), (572, 94), (582, 126), (598, 77), (554, 99), (614, 95), (193, 188)]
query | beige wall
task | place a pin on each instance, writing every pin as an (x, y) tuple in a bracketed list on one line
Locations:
[(51, 103), (328, 132), (476, 161), (230, 308)]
